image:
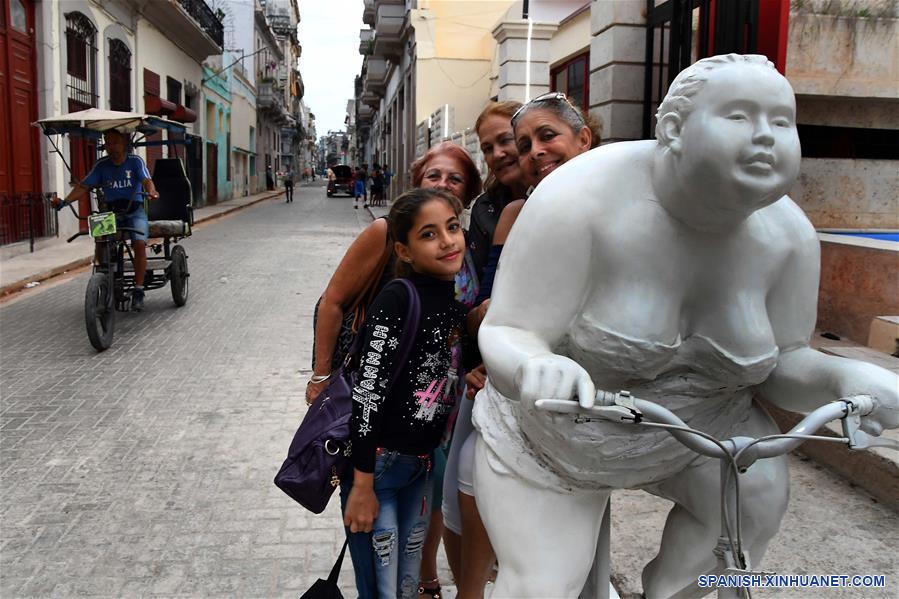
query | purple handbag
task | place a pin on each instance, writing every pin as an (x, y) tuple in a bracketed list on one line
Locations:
[(319, 453)]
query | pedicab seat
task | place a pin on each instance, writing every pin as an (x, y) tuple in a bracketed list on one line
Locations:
[(171, 214)]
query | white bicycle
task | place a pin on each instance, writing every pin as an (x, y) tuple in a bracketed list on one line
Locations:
[(736, 456)]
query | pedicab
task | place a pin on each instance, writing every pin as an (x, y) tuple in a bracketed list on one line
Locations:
[(170, 217)]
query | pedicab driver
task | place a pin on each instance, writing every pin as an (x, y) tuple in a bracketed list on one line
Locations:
[(121, 175)]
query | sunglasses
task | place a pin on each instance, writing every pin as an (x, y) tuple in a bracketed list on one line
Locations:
[(551, 96)]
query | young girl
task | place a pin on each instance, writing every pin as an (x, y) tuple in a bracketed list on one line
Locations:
[(387, 502)]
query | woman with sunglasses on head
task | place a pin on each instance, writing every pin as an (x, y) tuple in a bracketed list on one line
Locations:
[(549, 131), (522, 144)]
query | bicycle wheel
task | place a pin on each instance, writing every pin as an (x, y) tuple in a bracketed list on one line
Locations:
[(178, 275), (99, 314)]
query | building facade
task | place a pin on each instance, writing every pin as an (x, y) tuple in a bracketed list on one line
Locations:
[(70, 55)]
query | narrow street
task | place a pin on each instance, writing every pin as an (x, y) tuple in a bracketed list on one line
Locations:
[(147, 469)]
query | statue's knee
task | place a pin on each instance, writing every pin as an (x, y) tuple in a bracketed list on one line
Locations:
[(764, 504)]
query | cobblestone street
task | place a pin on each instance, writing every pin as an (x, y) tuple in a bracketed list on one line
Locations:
[(147, 469)]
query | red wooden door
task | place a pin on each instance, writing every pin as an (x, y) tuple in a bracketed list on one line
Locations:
[(19, 169)]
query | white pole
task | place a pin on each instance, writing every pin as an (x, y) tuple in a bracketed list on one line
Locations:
[(527, 66)]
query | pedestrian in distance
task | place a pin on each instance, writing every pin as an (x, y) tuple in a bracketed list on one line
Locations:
[(365, 182), (269, 179), (377, 186), (359, 189), (121, 176), (288, 185), (388, 177), (386, 504)]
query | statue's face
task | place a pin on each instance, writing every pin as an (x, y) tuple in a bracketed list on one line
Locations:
[(742, 135)]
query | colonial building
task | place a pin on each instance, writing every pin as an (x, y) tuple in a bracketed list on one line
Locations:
[(69, 55)]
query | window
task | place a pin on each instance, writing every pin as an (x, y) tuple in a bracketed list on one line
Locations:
[(572, 78), (819, 141), (81, 61), (119, 75), (173, 90)]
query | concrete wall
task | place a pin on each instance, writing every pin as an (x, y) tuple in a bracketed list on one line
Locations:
[(855, 194), (463, 84), (158, 54), (857, 284), (572, 38), (843, 56)]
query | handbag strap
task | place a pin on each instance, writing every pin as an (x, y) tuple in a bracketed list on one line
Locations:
[(410, 331), (335, 571)]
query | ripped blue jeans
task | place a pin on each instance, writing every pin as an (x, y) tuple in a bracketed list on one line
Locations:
[(386, 561)]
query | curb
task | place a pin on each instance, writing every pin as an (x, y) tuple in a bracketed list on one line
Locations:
[(55, 271)]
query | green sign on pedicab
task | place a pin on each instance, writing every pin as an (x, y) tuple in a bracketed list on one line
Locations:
[(102, 224)]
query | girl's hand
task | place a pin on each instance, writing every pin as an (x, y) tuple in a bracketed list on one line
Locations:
[(361, 508), (475, 380), (551, 376)]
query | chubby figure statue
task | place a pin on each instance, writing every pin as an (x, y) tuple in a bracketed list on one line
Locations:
[(679, 270)]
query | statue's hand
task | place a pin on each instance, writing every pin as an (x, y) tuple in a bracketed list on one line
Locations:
[(886, 407), (550, 376)]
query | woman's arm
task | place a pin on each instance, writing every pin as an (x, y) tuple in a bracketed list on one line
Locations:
[(503, 227), (347, 282), (540, 287), (805, 378)]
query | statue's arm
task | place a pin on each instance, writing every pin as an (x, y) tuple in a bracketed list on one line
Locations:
[(805, 378), (541, 284)]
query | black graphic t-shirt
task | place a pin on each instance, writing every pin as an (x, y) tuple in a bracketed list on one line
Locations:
[(410, 418)]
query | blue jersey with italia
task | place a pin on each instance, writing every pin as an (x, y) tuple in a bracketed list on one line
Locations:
[(120, 182)]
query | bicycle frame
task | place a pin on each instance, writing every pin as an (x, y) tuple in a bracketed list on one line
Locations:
[(736, 455)]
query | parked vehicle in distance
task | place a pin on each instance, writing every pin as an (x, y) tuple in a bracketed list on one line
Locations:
[(342, 182)]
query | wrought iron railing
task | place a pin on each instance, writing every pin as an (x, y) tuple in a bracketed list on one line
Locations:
[(203, 15), (26, 216)]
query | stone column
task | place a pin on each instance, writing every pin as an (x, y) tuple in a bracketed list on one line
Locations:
[(512, 38), (617, 57)]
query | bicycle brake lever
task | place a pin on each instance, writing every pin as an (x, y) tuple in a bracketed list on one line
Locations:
[(862, 440), (859, 439)]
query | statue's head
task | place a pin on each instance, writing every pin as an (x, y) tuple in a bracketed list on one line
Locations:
[(730, 121)]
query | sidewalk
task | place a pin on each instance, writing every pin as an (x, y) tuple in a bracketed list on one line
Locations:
[(17, 272)]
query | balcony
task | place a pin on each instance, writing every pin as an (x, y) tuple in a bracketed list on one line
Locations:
[(375, 74), (368, 12), (270, 101), (388, 25), (364, 115), (190, 24), (369, 97), (366, 41), (281, 24)]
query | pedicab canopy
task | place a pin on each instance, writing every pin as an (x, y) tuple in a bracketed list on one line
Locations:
[(95, 119)]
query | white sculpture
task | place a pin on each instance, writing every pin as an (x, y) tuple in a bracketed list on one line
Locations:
[(676, 269)]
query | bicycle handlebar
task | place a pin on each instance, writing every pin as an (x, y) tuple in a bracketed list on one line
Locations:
[(623, 408)]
